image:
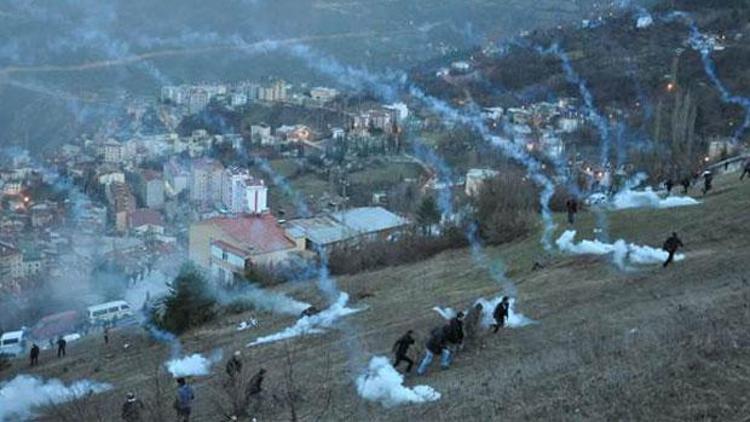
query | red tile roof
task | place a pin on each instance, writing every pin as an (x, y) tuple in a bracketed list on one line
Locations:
[(257, 234)]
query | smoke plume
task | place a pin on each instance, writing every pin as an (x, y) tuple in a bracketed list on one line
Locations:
[(19, 396), (382, 383), (193, 365), (313, 324), (622, 252)]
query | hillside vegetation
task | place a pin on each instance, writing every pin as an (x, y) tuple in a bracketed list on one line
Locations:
[(651, 344)]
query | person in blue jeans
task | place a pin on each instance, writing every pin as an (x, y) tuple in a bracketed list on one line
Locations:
[(183, 403), (435, 345)]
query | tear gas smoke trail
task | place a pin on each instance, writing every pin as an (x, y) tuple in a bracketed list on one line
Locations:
[(382, 383), (628, 198), (515, 319), (574, 78), (277, 303), (313, 324), (621, 250), (193, 365), (704, 45), (443, 177), (19, 396)]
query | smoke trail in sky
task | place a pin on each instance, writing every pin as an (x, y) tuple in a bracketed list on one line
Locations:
[(574, 78)]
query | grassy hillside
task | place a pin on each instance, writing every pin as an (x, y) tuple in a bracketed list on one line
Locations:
[(652, 344)]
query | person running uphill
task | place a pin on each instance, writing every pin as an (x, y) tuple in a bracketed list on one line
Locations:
[(400, 349), (500, 314), (435, 346), (670, 246)]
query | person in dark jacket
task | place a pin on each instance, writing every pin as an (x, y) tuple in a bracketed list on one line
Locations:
[(435, 345), (34, 355), (685, 185), (671, 245), (234, 365), (572, 207), (254, 387), (184, 402), (454, 331), (61, 343), (500, 314), (131, 409), (708, 179), (400, 349), (106, 334), (745, 169), (669, 184)]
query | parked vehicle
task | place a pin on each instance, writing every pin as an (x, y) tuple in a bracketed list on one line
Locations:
[(13, 343), (108, 312)]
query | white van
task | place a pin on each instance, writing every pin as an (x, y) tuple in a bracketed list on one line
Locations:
[(13, 343), (108, 312)]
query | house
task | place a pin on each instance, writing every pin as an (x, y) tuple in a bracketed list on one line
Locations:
[(228, 246), (296, 133), (242, 193), (475, 179), (261, 134), (349, 227), (206, 177), (11, 262), (121, 202), (176, 177), (152, 189), (146, 221), (323, 94), (113, 150)]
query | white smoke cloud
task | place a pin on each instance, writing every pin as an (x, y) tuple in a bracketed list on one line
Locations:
[(153, 286), (382, 383), (313, 324), (515, 319), (193, 365), (23, 393), (277, 303), (647, 198), (585, 247), (621, 251)]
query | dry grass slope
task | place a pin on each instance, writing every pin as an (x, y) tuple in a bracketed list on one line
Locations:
[(655, 344)]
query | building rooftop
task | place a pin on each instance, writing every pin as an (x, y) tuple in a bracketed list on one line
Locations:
[(343, 225), (256, 234)]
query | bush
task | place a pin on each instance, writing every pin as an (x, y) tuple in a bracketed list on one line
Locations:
[(506, 208), (383, 253), (189, 303)]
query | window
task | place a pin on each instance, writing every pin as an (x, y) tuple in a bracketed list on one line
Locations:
[(10, 341), (124, 307)]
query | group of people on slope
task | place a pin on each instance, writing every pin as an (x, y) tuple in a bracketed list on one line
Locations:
[(446, 340)]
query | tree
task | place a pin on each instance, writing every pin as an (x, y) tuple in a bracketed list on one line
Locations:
[(428, 214), (189, 303)]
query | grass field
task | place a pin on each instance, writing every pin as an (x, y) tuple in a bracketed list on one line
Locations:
[(652, 344)]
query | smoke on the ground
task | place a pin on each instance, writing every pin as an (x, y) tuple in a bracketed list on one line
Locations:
[(383, 384), (313, 324), (24, 393), (193, 365), (515, 318), (623, 253)]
